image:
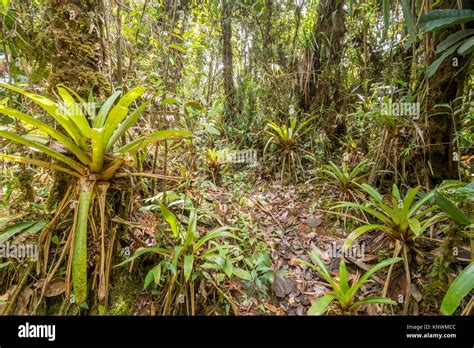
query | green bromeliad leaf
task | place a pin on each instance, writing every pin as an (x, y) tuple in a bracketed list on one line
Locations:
[(65, 159), (75, 112), (56, 111), (460, 288), (451, 210), (144, 141), (319, 307), (55, 134)]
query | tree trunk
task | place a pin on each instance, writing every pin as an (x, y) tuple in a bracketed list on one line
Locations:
[(267, 34), (76, 59), (177, 11), (320, 78), (74, 44), (229, 89), (442, 88)]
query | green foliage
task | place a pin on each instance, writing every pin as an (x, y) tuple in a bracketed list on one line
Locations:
[(216, 164), (188, 243), (461, 41), (26, 59), (288, 60), (459, 288), (190, 257), (460, 110), (402, 221), (440, 19), (408, 18), (89, 145), (286, 140), (342, 291), (90, 139), (21, 227), (260, 275), (406, 14), (464, 282), (345, 180), (450, 209)]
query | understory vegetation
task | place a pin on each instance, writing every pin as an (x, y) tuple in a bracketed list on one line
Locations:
[(218, 157)]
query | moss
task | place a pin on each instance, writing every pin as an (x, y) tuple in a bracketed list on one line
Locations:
[(25, 180), (123, 292), (24, 187), (58, 189), (441, 269), (74, 46)]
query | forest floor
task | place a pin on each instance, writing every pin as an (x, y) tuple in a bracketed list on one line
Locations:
[(292, 224), (289, 220), (290, 230)]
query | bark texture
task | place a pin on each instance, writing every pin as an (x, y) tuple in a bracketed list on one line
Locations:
[(74, 43)]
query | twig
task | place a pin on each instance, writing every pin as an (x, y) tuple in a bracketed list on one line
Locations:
[(365, 267), (396, 251), (11, 304), (261, 206), (342, 214), (150, 175)]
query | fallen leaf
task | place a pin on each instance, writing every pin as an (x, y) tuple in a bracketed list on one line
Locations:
[(314, 221), (282, 286), (55, 287)]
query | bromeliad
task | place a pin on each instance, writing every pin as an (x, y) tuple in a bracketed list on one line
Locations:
[(344, 294), (91, 154)]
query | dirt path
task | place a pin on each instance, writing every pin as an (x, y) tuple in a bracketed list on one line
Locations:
[(292, 227), (293, 224), (290, 222)]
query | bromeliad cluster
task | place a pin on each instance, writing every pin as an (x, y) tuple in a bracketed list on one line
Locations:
[(87, 149)]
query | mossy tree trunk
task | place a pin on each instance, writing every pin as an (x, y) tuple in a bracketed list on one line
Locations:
[(76, 56), (227, 57), (74, 38), (319, 75), (447, 84)]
